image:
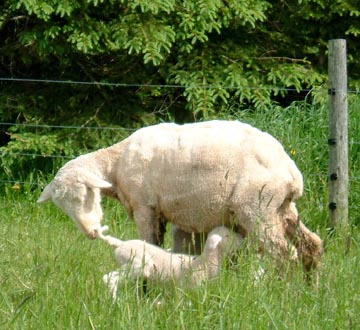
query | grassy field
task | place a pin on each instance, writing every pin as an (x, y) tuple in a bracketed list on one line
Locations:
[(50, 274)]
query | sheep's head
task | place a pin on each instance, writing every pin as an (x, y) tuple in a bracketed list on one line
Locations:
[(78, 194)]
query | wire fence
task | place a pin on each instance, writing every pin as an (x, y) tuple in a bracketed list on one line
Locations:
[(126, 129), (69, 127), (132, 85)]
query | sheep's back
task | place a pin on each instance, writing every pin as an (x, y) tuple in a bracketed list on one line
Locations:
[(194, 174)]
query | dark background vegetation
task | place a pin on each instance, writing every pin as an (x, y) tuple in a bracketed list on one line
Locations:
[(224, 57)]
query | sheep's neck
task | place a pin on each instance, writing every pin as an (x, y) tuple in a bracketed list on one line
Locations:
[(104, 161)]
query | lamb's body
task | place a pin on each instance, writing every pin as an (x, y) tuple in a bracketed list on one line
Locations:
[(197, 176), (138, 259)]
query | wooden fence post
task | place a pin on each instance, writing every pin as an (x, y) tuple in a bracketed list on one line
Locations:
[(338, 134)]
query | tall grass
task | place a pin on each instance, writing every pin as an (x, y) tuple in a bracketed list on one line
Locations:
[(50, 274)]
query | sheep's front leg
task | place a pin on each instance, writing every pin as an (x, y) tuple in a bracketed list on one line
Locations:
[(150, 227)]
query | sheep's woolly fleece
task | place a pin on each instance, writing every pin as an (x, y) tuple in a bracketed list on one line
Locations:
[(196, 176)]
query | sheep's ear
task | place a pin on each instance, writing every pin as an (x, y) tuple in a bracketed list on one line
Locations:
[(93, 181), (46, 194)]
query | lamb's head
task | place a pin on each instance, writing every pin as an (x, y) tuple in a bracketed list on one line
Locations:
[(77, 192), (224, 239)]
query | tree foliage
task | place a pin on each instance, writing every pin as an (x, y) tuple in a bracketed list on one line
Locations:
[(219, 53), (233, 46)]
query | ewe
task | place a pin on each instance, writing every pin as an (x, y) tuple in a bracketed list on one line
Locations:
[(138, 259), (197, 176)]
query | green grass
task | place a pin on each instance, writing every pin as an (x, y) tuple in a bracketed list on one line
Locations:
[(50, 274), (51, 279)]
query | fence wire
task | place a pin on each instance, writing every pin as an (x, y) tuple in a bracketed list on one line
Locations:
[(137, 85), (130, 85), (69, 127)]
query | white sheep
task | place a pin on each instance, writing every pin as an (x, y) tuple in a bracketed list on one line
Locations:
[(139, 259), (197, 176)]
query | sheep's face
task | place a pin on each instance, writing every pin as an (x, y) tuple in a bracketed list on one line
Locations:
[(79, 198), (82, 204)]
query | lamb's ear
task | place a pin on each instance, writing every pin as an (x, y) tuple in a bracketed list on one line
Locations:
[(46, 194), (93, 181), (213, 241)]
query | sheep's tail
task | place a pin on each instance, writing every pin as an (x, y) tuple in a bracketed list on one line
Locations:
[(114, 242)]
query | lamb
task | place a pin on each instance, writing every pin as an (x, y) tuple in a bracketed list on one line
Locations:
[(139, 259), (226, 172)]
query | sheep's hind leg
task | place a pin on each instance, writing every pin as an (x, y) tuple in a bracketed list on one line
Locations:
[(271, 239), (308, 244)]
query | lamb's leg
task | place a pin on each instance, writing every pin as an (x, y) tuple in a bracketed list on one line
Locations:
[(111, 280), (189, 243)]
